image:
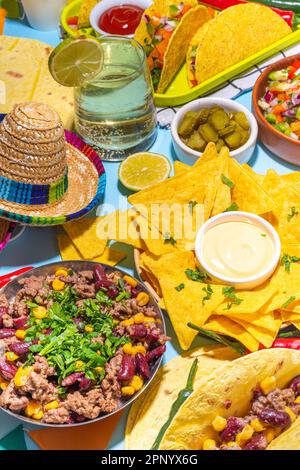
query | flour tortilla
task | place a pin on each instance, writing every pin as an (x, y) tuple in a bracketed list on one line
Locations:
[(24, 72), (148, 414)]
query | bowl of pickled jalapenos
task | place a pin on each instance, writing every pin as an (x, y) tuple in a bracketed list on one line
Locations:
[(221, 121)]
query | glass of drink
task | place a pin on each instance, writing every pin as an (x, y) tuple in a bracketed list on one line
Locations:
[(43, 14), (115, 113)]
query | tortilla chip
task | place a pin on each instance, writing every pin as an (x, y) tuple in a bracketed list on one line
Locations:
[(288, 288), (68, 252), (247, 193), (243, 28), (123, 227), (223, 194), (293, 177), (288, 215), (180, 168), (83, 233), (210, 153), (265, 336), (258, 178), (252, 301), (84, 13), (225, 326)]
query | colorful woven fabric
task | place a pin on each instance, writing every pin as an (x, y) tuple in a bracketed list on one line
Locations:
[(32, 194)]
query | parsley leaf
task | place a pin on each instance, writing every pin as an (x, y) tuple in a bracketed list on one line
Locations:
[(196, 275), (209, 293), (294, 212), (180, 287), (192, 204), (288, 302), (169, 239), (229, 293), (227, 181), (232, 207), (287, 260)]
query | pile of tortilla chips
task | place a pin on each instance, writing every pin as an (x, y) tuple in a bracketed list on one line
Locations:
[(216, 183)]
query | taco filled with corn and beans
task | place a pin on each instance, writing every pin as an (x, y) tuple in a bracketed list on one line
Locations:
[(252, 403), (165, 32), (75, 345)]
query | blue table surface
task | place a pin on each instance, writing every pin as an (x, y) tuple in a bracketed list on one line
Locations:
[(38, 246)]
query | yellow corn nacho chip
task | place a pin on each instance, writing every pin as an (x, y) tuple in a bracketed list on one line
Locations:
[(264, 336), (223, 195), (83, 233), (225, 326), (68, 252), (180, 168), (123, 227), (250, 301), (247, 193)]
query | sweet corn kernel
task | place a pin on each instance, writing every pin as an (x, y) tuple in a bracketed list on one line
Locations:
[(116, 322), (231, 444), (88, 329), (58, 285), (127, 391), (79, 364), (219, 423), (257, 425), (244, 436), (270, 434), (22, 375), (297, 400), (136, 382), (11, 357), (149, 319), (3, 383), (138, 349), (61, 272), (142, 299), (38, 415), (127, 348), (20, 334), (128, 322), (132, 282), (40, 312), (98, 369), (209, 444), (268, 384), (138, 318), (290, 413), (52, 405), (33, 408)]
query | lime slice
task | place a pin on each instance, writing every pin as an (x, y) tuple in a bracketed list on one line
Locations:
[(76, 61), (141, 170)]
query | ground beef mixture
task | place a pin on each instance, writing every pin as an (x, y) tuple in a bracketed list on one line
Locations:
[(271, 412), (74, 345)]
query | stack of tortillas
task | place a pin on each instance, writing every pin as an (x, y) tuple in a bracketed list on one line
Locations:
[(24, 76)]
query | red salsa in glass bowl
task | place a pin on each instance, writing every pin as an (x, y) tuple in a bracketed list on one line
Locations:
[(121, 20)]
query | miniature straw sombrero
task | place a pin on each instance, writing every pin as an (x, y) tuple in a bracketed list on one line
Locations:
[(48, 176)]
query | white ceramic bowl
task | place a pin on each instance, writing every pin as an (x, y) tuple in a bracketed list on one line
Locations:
[(238, 216), (105, 5), (188, 155)]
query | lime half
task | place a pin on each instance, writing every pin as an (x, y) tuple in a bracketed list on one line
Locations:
[(142, 170), (76, 61)]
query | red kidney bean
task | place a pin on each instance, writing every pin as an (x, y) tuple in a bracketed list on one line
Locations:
[(48, 332), (72, 379), (112, 292), (142, 365), (8, 371), (79, 418), (104, 283), (99, 273), (295, 385), (152, 336), (274, 417), (155, 353), (7, 333), (84, 384), (127, 370), (257, 392), (233, 427), (137, 331), (134, 292), (20, 348), (258, 442), (20, 322)]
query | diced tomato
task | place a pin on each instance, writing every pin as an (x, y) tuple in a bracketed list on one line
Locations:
[(279, 118), (72, 21), (278, 109), (162, 46), (165, 34), (282, 97), (150, 62), (185, 9), (296, 64)]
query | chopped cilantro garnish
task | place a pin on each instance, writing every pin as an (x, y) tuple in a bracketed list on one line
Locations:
[(287, 260), (227, 181), (232, 207), (180, 287), (209, 293), (229, 293), (288, 302), (263, 234), (169, 239), (292, 214), (196, 275)]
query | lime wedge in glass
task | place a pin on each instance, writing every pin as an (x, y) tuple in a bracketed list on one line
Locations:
[(76, 61), (141, 170)]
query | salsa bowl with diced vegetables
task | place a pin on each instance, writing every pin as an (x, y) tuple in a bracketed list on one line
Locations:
[(79, 341), (276, 105)]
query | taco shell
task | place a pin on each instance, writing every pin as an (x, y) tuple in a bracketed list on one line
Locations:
[(232, 383), (148, 414), (234, 35)]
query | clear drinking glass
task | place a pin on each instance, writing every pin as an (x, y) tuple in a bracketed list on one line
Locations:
[(43, 15), (115, 112)]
